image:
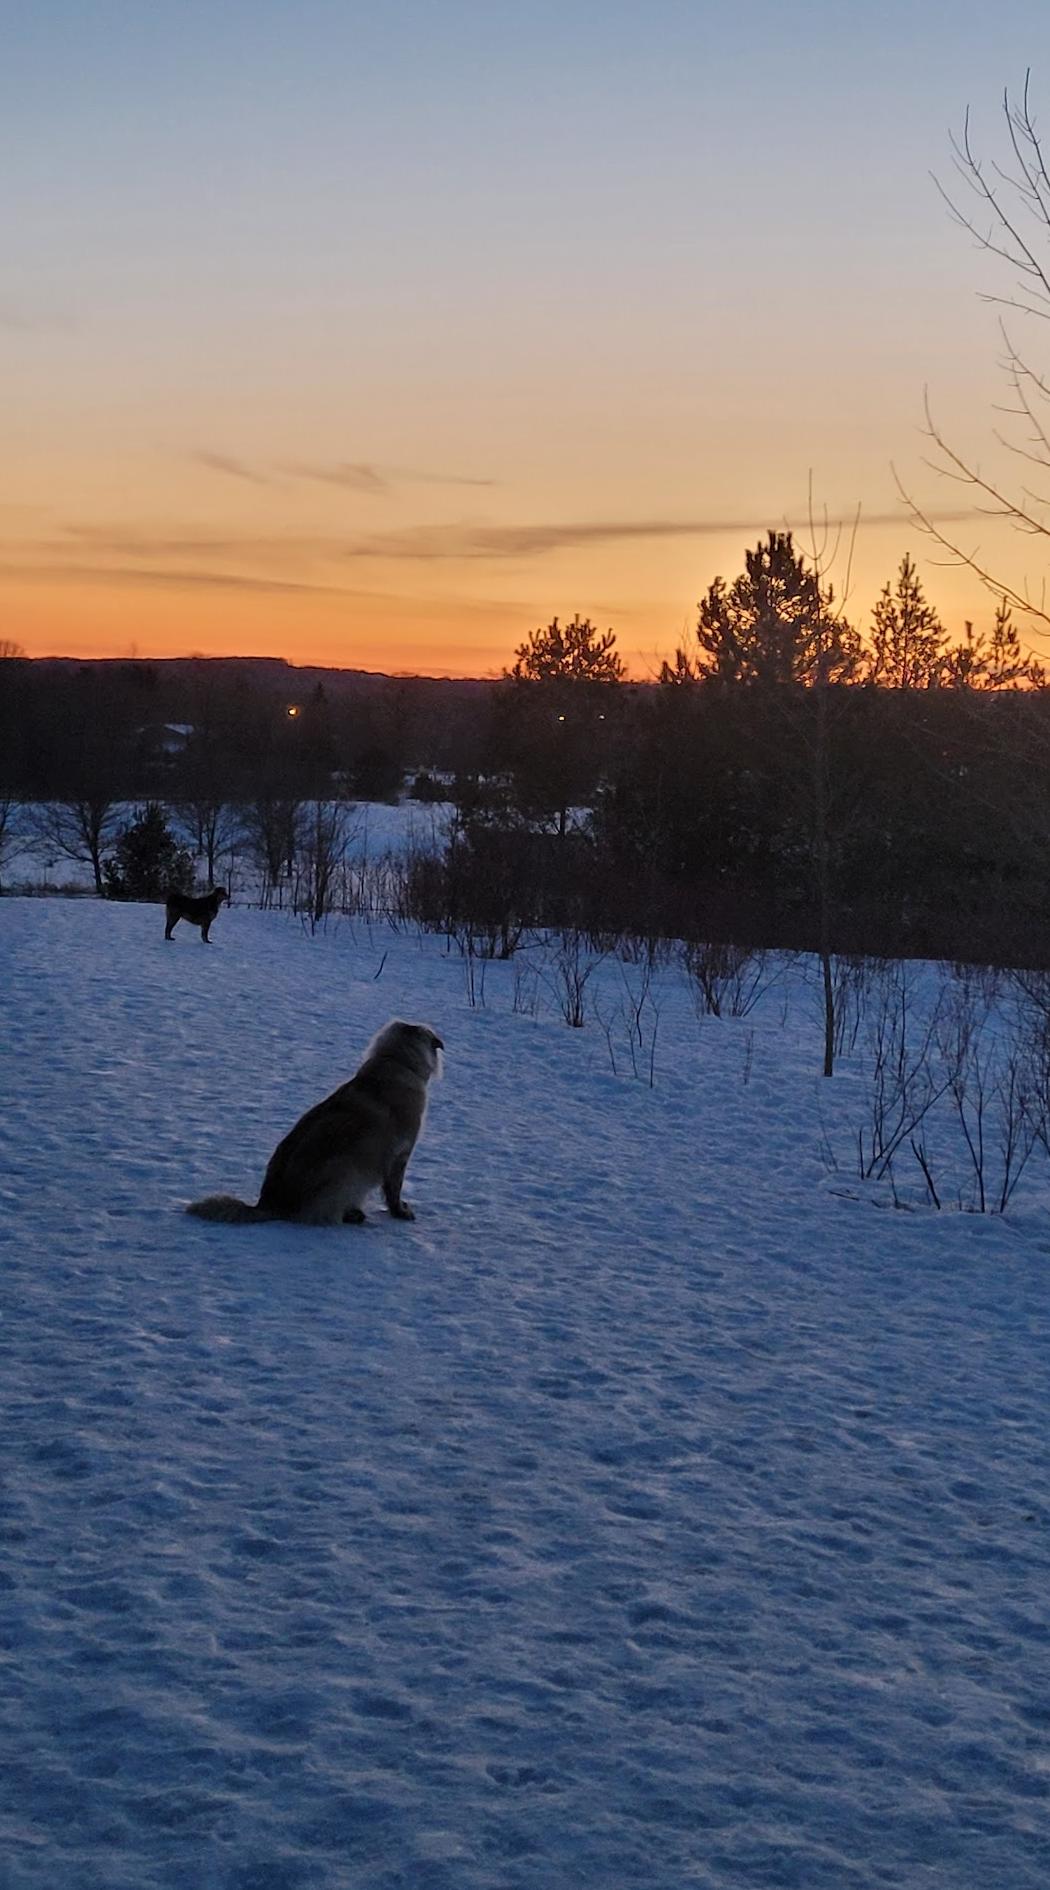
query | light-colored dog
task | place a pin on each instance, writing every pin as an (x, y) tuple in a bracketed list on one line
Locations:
[(358, 1139)]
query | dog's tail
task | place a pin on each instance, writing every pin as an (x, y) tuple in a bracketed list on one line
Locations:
[(225, 1207)]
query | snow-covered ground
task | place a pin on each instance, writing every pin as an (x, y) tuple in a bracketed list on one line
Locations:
[(650, 1512)]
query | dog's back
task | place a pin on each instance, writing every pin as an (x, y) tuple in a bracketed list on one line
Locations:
[(195, 907), (348, 1144), (359, 1138), (199, 909)]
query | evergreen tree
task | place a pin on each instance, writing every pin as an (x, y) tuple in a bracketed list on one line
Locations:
[(575, 653), (907, 636), (376, 774), (775, 624), (994, 661), (148, 862), (554, 715)]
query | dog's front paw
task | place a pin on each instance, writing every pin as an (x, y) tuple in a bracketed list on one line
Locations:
[(353, 1217), (402, 1212)]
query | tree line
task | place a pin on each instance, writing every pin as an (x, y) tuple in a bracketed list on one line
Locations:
[(787, 782)]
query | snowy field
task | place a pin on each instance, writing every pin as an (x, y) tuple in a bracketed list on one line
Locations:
[(656, 1510)]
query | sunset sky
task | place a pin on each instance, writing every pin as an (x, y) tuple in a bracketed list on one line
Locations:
[(379, 335)]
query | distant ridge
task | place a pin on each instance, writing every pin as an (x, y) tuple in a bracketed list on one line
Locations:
[(284, 675)]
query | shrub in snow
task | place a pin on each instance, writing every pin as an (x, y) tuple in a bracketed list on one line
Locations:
[(727, 980)]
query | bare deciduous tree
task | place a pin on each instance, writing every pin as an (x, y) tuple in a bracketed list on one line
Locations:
[(271, 826), (79, 829), (210, 824), (993, 1088), (906, 1080), (324, 834), (1005, 207), (8, 806), (833, 644)]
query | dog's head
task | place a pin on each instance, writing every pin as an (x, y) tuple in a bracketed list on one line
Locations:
[(436, 1046), (413, 1044)]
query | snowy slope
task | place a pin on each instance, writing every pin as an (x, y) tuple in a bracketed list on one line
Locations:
[(644, 1514)]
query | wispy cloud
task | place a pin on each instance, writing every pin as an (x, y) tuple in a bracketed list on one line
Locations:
[(350, 476), (370, 477), (376, 479), (233, 468), (307, 565), (148, 542), (466, 541), (45, 562), (367, 476), (189, 579)]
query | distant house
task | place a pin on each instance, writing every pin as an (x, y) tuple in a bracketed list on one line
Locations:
[(160, 743), (173, 737)]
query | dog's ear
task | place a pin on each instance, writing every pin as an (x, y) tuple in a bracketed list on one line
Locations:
[(436, 1040)]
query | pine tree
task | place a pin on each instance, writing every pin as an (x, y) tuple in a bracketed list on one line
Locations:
[(907, 636), (575, 653), (556, 711), (776, 624), (148, 861), (994, 661)]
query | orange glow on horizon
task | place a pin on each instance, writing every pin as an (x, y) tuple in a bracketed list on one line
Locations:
[(87, 616), (65, 621)]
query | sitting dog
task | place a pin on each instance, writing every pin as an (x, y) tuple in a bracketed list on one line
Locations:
[(199, 911), (358, 1139)]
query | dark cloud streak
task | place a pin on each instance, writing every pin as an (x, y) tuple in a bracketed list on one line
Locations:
[(359, 477), (121, 543), (365, 476), (233, 468), (467, 542), (133, 575)]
